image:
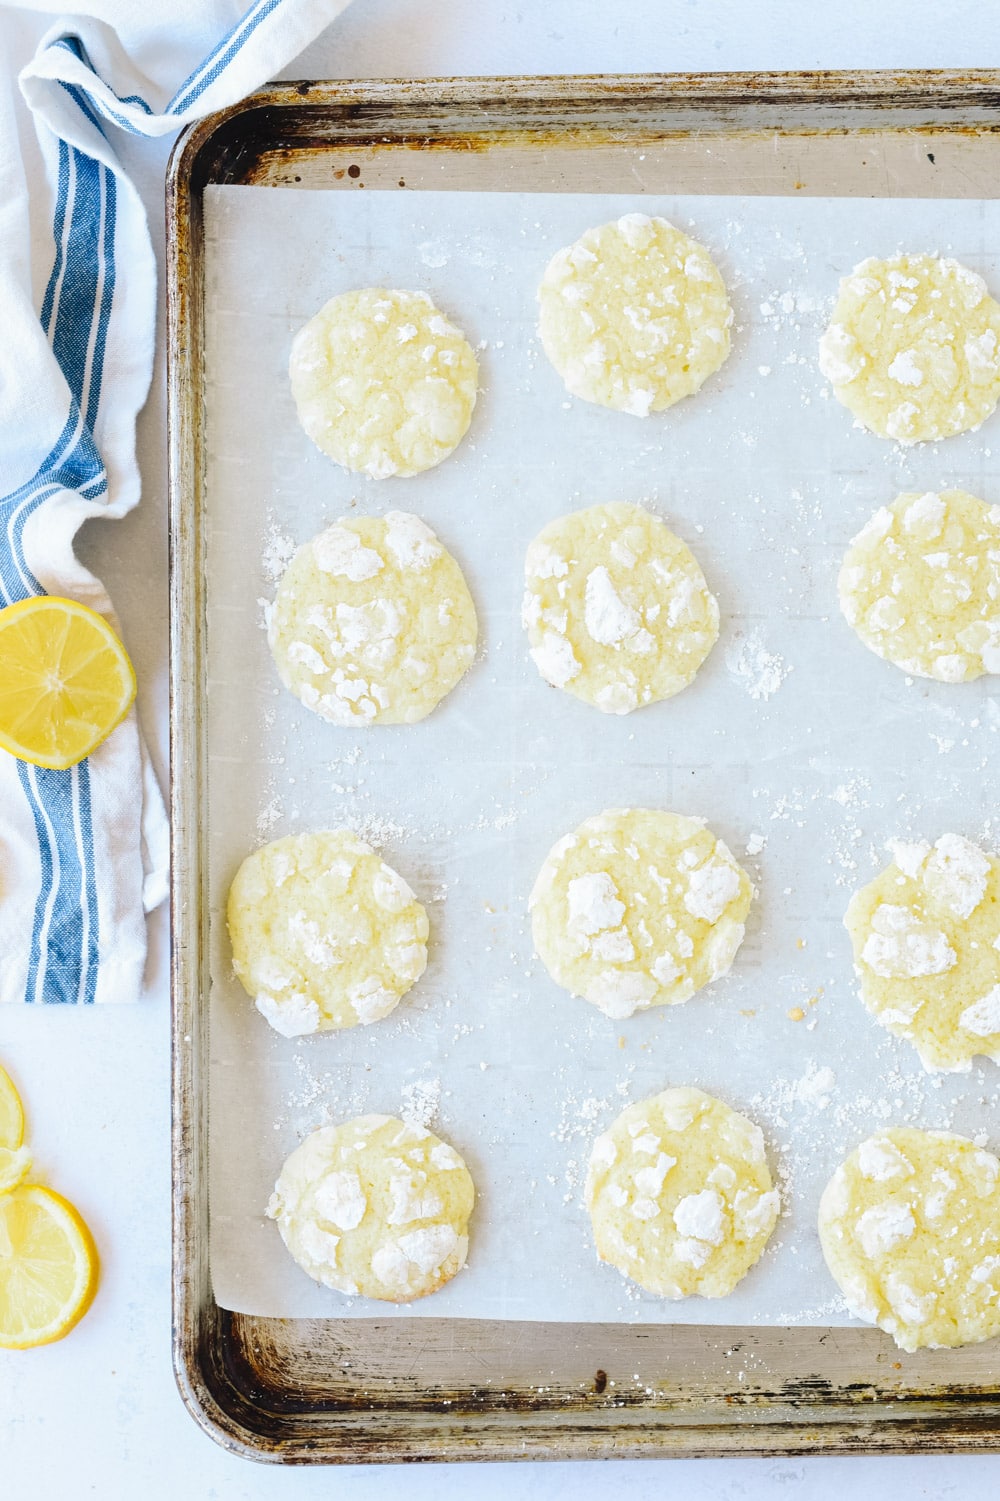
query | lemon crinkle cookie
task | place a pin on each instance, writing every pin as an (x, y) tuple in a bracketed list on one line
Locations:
[(373, 622), (383, 382), (913, 348), (616, 608), (921, 585), (634, 315), (375, 1207), (908, 1226), (325, 934), (926, 938), (638, 908), (680, 1195)]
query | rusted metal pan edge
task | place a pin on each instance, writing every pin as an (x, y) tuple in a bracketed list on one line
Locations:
[(204, 1365)]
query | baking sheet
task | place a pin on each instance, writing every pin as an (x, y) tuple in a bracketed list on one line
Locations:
[(794, 742)]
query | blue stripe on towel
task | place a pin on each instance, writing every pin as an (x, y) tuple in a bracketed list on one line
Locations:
[(62, 188), (65, 938), (88, 984), (88, 104), (220, 57), (60, 956)]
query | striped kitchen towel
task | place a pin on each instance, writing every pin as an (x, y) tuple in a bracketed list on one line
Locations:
[(83, 853)]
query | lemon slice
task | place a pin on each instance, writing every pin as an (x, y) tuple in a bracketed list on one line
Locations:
[(48, 1267), (15, 1159), (11, 1113), (65, 681)]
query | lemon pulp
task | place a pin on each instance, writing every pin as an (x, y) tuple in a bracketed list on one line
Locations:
[(15, 1159)]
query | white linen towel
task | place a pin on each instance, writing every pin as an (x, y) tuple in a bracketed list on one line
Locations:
[(83, 852)]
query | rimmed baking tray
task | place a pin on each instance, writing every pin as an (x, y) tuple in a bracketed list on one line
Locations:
[(323, 1390)]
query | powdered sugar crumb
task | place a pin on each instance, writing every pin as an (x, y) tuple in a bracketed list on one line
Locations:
[(277, 554), (759, 671), (421, 1102)]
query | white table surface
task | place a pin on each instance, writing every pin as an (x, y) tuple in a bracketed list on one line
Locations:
[(99, 1415)]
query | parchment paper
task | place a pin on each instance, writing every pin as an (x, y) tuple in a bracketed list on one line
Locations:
[(794, 740)]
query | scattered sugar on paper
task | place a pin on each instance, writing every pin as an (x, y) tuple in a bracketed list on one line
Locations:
[(379, 831), (825, 1115), (270, 814), (319, 1099), (811, 1090), (759, 671)]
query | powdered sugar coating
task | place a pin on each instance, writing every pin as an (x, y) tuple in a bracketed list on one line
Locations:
[(920, 584), (908, 1226), (369, 1208), (638, 908), (616, 608), (680, 1195), (325, 934), (634, 315), (924, 934), (913, 348), (373, 622), (383, 383)]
